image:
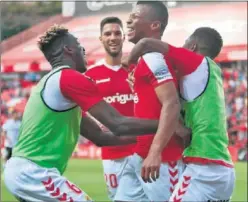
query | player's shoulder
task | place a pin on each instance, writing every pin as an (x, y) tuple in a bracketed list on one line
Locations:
[(70, 73), (88, 78), (74, 77), (154, 60), (152, 55)]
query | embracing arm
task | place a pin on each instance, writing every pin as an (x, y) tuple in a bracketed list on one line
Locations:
[(185, 61), (119, 124), (147, 45), (90, 130), (81, 90)]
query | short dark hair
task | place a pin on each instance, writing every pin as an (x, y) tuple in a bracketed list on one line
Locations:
[(160, 12), (209, 38), (110, 20), (53, 33)]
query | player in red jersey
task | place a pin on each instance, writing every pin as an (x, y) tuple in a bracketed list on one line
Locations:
[(71, 57), (51, 124), (199, 76), (155, 86), (111, 80)]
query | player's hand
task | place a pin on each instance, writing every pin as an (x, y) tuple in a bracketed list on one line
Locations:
[(151, 167), (130, 80), (124, 63), (185, 134)]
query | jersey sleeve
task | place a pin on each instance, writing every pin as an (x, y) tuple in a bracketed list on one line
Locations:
[(185, 61), (79, 88), (156, 69)]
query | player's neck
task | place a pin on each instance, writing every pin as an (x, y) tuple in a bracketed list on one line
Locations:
[(63, 62), (113, 61), (156, 36)]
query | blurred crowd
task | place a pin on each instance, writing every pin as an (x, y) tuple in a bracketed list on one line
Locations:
[(235, 86), (15, 93)]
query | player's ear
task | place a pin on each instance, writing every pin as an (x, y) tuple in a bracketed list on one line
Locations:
[(68, 50), (123, 34), (100, 38), (155, 25), (194, 47)]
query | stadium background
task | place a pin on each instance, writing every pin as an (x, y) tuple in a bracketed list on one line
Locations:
[(22, 65)]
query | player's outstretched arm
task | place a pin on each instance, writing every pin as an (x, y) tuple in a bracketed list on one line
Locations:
[(185, 61), (90, 130), (82, 90), (121, 125), (147, 45)]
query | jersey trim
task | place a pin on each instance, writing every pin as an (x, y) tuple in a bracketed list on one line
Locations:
[(42, 91), (163, 82), (103, 63), (206, 161)]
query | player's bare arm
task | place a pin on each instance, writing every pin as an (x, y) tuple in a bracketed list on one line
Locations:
[(82, 91), (146, 45), (90, 130), (168, 122), (121, 125)]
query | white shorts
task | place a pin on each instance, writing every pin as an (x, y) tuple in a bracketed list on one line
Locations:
[(138, 190), (113, 170), (29, 182), (205, 183)]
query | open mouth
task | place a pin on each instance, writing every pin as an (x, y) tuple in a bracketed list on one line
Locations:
[(113, 46), (130, 31)]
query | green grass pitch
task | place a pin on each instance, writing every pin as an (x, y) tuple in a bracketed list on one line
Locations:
[(87, 174)]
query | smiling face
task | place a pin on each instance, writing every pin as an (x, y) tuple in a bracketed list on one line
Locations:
[(112, 38), (138, 24)]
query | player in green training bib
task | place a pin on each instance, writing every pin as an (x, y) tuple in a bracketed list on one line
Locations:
[(209, 173), (51, 124)]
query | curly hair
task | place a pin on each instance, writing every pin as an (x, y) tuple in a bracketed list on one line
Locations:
[(53, 33)]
